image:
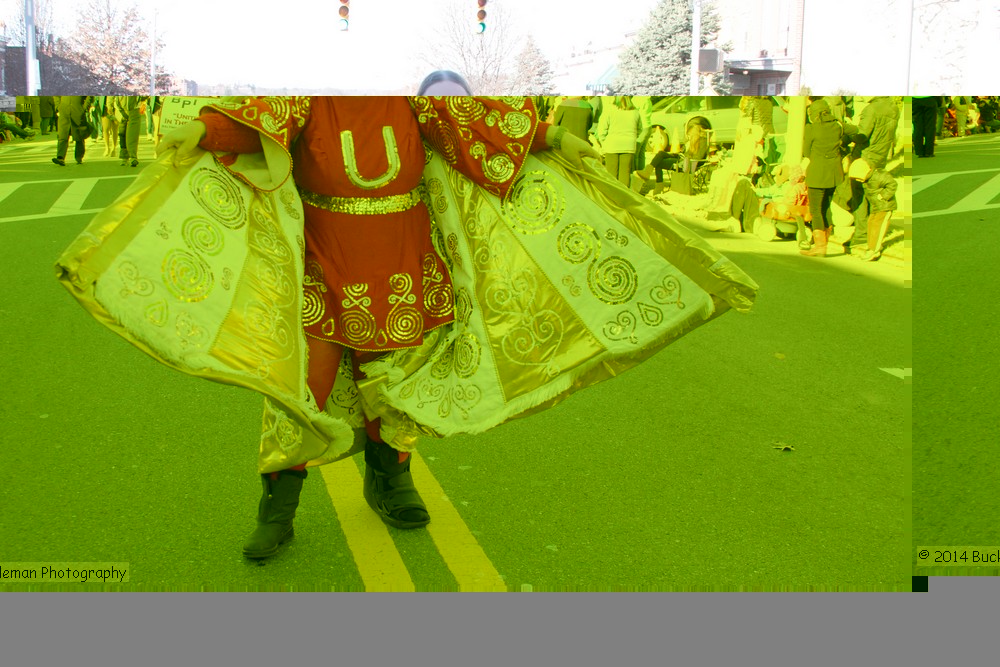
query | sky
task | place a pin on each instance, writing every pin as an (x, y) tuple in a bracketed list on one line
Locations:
[(300, 45), (857, 45)]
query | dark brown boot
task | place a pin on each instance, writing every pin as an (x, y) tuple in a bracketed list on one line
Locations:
[(275, 513), (389, 488)]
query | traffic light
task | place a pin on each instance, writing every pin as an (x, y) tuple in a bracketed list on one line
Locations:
[(481, 16), (345, 10)]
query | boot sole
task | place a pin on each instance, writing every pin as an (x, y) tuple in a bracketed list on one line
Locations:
[(258, 555)]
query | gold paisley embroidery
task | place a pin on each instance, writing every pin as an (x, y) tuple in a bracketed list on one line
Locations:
[(651, 315), (622, 328), (668, 294), (133, 281)]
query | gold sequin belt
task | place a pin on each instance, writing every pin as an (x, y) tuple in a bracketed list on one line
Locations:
[(362, 205)]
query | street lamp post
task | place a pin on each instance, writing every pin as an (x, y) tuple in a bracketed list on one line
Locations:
[(152, 59), (695, 43), (30, 57)]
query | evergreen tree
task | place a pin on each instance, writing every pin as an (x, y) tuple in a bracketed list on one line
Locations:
[(658, 62), (532, 71)]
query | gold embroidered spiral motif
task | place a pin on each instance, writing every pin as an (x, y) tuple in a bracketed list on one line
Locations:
[(534, 204), (516, 102), (500, 168), (613, 280), (463, 306), (442, 137), (280, 108), (358, 325), (219, 197), (465, 110), (441, 368), (405, 323), (202, 235), (467, 354), (313, 303), (438, 294), (579, 243), (515, 124), (451, 243), (187, 276)]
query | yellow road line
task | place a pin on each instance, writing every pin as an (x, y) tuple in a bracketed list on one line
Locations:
[(378, 561), (461, 552)]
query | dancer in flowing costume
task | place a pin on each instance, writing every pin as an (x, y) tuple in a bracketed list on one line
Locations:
[(448, 272)]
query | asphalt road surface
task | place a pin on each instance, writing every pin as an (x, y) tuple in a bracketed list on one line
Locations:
[(956, 196), (766, 451)]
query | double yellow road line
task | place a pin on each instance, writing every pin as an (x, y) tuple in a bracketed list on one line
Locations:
[(379, 562)]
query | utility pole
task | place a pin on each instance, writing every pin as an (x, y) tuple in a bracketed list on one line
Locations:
[(30, 57), (695, 43)]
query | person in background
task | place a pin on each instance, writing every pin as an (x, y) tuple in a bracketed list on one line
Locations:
[(9, 123), (876, 137), (23, 111), (645, 106), (47, 109), (838, 106), (130, 125), (576, 115), (73, 110), (880, 191), (989, 111), (961, 106), (620, 129), (924, 111), (821, 145)]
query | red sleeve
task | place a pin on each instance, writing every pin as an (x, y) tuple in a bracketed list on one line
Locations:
[(486, 139), (225, 135), (539, 144)]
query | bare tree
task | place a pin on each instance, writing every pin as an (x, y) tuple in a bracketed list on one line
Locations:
[(112, 44), (938, 58), (486, 59), (45, 29)]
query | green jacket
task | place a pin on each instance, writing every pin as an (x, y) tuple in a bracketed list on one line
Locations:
[(878, 123), (880, 190)]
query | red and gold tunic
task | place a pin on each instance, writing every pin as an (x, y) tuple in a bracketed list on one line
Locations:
[(373, 280)]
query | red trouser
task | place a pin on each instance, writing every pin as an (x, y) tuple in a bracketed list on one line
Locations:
[(324, 362)]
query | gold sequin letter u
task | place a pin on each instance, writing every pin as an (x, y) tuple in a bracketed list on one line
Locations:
[(351, 164)]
